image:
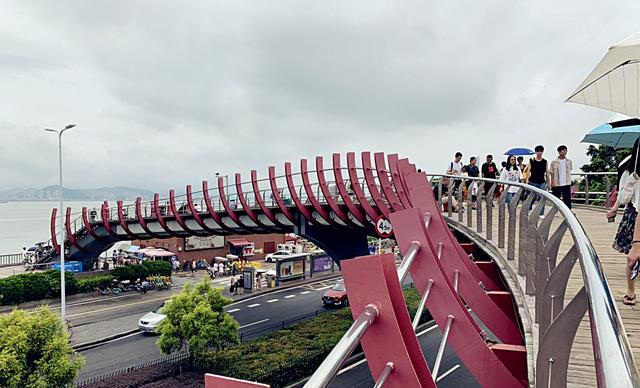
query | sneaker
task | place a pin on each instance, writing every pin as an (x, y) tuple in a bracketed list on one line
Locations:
[(634, 269)]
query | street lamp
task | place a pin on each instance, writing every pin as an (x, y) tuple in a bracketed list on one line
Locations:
[(226, 183), (63, 304)]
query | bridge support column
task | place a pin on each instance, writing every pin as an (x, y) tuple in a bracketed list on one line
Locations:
[(339, 243)]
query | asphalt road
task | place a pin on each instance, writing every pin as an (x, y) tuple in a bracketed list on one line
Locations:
[(253, 314), (452, 373)]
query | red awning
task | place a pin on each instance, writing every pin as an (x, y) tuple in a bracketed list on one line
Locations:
[(239, 243)]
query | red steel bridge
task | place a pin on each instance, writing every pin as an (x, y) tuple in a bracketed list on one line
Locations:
[(337, 208)]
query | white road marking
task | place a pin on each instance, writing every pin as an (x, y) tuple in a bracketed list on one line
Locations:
[(427, 330), (447, 373), (253, 305), (304, 292), (233, 310), (253, 323), (289, 296), (323, 288), (352, 366), (272, 300)]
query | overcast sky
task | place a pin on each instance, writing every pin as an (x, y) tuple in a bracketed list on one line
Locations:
[(165, 93)]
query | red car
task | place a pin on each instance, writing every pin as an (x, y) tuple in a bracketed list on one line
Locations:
[(336, 295)]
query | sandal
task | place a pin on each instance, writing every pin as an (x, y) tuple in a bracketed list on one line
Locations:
[(629, 301)]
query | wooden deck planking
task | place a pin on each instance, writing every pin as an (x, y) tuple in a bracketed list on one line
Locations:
[(581, 371)]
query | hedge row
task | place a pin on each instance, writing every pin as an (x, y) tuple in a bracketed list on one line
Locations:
[(46, 285), (290, 354)]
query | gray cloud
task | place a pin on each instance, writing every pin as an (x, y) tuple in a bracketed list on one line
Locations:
[(167, 93)]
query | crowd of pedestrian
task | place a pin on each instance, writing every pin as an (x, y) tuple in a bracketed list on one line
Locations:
[(536, 171)]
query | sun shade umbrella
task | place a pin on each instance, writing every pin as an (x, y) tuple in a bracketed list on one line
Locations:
[(620, 132), (519, 151), (615, 83)]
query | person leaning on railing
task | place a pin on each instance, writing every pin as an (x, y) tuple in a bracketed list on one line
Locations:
[(627, 238)]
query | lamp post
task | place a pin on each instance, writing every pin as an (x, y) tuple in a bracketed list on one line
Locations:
[(63, 303), (226, 183)]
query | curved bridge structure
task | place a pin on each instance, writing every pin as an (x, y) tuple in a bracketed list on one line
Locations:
[(468, 299)]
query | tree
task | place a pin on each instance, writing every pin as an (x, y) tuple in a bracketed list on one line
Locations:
[(196, 320), (35, 350), (603, 158)]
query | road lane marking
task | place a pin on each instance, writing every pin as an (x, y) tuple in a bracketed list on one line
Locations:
[(447, 373), (417, 335), (305, 292), (115, 307), (253, 305), (253, 323), (115, 339), (323, 288), (233, 310), (289, 296), (272, 300)]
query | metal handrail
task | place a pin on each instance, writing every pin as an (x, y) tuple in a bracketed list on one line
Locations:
[(614, 362)]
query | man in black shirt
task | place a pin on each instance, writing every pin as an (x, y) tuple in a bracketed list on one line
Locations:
[(538, 172), (489, 170), (472, 186)]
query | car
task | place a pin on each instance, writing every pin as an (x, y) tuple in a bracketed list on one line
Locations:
[(150, 321), (336, 295), (277, 255)]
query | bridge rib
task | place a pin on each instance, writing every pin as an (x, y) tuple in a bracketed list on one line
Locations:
[(213, 213), (230, 212), (342, 189), (398, 182), (142, 222), (243, 201), (324, 215), (263, 207), (358, 189), (178, 216), (88, 226), (159, 216), (275, 192), (302, 208), (383, 179), (371, 184), (106, 220), (54, 235), (72, 237), (123, 222), (196, 214), (322, 182)]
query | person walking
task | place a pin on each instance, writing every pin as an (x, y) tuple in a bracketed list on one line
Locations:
[(561, 176), (259, 281), (537, 174), (240, 285), (472, 171), (627, 237), (489, 170), (511, 173), (234, 285), (114, 258), (455, 168)]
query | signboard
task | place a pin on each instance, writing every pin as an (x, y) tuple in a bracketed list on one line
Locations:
[(293, 268), (383, 227), (194, 243), (322, 263)]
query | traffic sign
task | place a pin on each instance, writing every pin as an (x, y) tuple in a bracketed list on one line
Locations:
[(383, 227)]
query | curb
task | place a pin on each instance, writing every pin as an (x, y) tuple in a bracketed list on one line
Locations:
[(92, 344)]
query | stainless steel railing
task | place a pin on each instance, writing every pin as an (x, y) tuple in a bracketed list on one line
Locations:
[(546, 278)]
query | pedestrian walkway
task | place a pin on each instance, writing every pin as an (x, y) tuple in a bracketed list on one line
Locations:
[(581, 371)]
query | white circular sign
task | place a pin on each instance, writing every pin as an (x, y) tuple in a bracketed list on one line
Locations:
[(383, 227)]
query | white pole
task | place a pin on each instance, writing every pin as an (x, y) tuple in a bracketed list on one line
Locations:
[(63, 302)]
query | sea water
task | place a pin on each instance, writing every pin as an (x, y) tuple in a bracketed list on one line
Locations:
[(23, 224)]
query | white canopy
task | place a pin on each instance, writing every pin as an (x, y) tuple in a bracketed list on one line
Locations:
[(615, 83)]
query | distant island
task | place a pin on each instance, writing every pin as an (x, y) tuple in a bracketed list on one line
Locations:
[(50, 193)]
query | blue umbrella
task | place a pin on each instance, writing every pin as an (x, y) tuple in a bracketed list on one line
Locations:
[(617, 134), (519, 151)]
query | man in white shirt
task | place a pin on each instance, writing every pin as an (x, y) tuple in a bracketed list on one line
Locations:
[(561, 176), (455, 168)]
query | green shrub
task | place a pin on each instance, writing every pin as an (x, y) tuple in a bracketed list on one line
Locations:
[(141, 271), (35, 286), (124, 273), (157, 267), (89, 284)]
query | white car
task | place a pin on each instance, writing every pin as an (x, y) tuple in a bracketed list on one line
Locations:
[(277, 255), (150, 321)]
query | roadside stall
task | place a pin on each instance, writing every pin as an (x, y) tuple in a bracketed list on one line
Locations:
[(241, 247)]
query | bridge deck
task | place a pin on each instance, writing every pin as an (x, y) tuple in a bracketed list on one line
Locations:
[(581, 371)]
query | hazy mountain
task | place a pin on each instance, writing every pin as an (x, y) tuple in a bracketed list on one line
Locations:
[(51, 193)]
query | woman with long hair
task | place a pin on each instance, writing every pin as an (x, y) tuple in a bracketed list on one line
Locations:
[(511, 173), (628, 235)]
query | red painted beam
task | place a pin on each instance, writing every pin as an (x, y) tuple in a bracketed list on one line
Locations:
[(123, 222), (54, 237), (160, 217), (142, 221), (212, 212), (306, 183), (196, 214), (324, 186), (263, 207), (358, 189), (277, 197), (243, 201), (227, 207), (87, 224), (383, 178), (70, 234), (373, 187), (398, 183), (344, 193), (179, 219), (514, 357), (106, 220), (302, 208)]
